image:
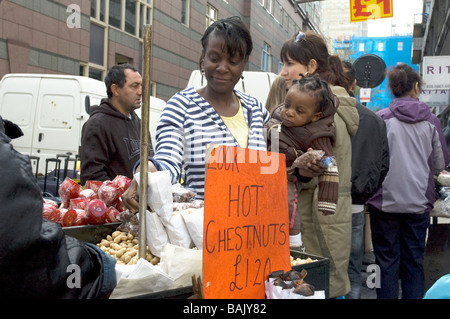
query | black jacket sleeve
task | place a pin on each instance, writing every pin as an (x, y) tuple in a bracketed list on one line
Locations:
[(37, 259), (370, 155)]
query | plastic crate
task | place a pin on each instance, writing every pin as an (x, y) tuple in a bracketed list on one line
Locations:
[(318, 271)]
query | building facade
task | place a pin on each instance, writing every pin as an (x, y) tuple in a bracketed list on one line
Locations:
[(88, 37)]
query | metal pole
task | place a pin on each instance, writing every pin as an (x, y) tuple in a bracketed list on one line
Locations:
[(145, 119)]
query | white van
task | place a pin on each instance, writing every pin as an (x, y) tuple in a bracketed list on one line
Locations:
[(255, 83), (51, 111)]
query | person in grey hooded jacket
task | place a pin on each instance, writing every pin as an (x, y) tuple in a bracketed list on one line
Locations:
[(399, 210)]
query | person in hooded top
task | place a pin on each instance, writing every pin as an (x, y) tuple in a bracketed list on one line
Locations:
[(399, 210), (111, 138)]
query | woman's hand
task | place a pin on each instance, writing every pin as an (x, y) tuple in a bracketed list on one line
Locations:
[(151, 168), (130, 197)]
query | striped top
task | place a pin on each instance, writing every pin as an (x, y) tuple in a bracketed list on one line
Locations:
[(188, 124)]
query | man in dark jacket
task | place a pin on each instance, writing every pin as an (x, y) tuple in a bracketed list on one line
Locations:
[(111, 138), (370, 164), (37, 260)]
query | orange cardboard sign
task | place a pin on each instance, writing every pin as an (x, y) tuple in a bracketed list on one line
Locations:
[(362, 10), (246, 230)]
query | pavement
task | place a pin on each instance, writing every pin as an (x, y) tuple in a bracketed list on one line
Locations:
[(436, 261)]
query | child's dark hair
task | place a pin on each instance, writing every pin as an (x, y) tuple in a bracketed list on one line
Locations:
[(402, 78), (327, 101)]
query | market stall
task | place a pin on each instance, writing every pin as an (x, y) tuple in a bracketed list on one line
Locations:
[(235, 238), (168, 244)]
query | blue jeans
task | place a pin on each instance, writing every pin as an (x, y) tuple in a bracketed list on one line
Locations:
[(356, 256), (399, 246)]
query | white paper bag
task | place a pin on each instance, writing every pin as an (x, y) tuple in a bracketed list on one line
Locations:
[(193, 219), (181, 263), (177, 231), (144, 278), (159, 194), (156, 234)]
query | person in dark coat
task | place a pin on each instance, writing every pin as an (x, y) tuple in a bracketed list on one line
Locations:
[(37, 259), (370, 164), (111, 138)]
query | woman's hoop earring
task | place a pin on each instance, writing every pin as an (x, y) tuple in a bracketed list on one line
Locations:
[(202, 71), (243, 86)]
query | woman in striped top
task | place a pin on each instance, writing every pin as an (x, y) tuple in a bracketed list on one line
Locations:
[(216, 114)]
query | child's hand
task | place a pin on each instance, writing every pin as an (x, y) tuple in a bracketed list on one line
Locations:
[(311, 156), (309, 163)]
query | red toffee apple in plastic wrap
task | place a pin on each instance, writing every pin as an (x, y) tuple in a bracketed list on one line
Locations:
[(57, 215), (88, 193), (48, 207), (109, 193), (74, 217), (98, 203), (112, 215), (122, 182), (96, 212), (94, 185), (79, 203), (68, 189)]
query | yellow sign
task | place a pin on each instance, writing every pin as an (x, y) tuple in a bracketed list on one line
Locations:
[(362, 10)]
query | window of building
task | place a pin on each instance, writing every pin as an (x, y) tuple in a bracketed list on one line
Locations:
[(97, 44), (83, 69), (185, 11), (211, 14), (282, 16), (130, 17), (400, 46), (277, 9), (126, 15), (266, 59), (121, 59), (286, 21), (115, 13), (361, 47), (267, 4), (145, 14), (98, 9), (280, 67), (96, 73)]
